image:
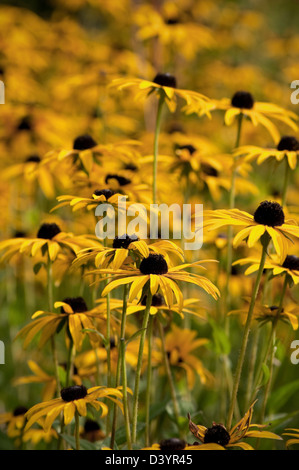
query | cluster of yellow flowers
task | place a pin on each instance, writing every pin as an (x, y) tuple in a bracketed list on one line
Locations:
[(131, 338)]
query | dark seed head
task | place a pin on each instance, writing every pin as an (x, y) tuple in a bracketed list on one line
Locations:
[(209, 170), (217, 434), (20, 410), (131, 167), (273, 308), (191, 149), (84, 142), (243, 100), (124, 242), (90, 425), (288, 143), (75, 392), (112, 343), (157, 300), (104, 192), (269, 213), (77, 303), (172, 444), (291, 262), (25, 124), (165, 79), (154, 264), (33, 158), (48, 231), (122, 181), (172, 21)]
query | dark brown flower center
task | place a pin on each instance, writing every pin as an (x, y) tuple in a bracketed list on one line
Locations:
[(165, 79), (33, 158), (20, 410), (242, 100), (73, 393), (191, 149), (124, 241), (154, 264), (48, 231), (84, 142), (122, 181), (217, 434), (288, 143), (209, 170), (90, 425), (104, 192), (172, 444), (25, 124), (269, 213), (291, 262), (157, 300), (77, 303)]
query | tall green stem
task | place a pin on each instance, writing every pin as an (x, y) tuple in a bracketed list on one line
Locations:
[(156, 144), (139, 363), (246, 332), (273, 336), (285, 182), (77, 430), (148, 382), (50, 306), (169, 376), (120, 363)]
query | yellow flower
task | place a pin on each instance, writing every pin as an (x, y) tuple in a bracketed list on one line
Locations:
[(15, 421), (289, 266), (181, 345), (73, 399), (169, 445), (75, 315), (154, 269), (259, 113), (166, 84), (268, 219), (49, 239), (218, 437), (288, 147), (271, 313)]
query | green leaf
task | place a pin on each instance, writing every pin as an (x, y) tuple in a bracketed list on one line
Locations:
[(90, 330), (84, 445), (135, 335), (221, 341), (37, 267), (280, 396), (266, 375)]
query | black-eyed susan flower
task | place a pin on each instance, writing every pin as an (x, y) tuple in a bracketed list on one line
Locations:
[(15, 421), (287, 147), (49, 239), (288, 266), (123, 247), (166, 84), (74, 399), (74, 315), (271, 314), (217, 437), (99, 196), (39, 376), (260, 113), (154, 269), (268, 219), (181, 345), (92, 431)]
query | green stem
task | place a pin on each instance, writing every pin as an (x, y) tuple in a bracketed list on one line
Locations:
[(169, 376), (125, 393), (273, 336), (156, 144), (77, 430), (139, 364), (69, 363), (246, 333), (285, 183), (119, 362), (148, 382)]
